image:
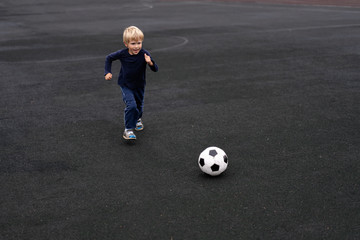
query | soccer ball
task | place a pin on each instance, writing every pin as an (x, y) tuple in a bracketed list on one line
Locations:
[(213, 161)]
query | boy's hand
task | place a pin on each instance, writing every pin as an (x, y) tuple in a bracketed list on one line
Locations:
[(108, 77), (148, 59)]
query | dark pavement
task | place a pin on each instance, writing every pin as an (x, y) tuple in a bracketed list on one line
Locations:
[(276, 86)]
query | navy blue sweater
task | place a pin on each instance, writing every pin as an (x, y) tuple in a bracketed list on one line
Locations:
[(133, 67)]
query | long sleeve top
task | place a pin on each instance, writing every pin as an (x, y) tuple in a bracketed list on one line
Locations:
[(133, 67)]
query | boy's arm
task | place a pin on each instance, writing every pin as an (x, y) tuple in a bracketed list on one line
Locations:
[(108, 63), (154, 67), (152, 64)]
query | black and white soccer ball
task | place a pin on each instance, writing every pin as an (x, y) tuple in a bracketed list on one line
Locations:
[(213, 161)]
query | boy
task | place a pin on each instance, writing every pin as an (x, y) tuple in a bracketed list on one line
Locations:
[(132, 77)]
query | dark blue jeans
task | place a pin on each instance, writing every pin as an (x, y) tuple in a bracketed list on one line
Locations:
[(134, 101)]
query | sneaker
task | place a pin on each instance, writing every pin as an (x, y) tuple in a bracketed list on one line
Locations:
[(139, 125), (129, 135)]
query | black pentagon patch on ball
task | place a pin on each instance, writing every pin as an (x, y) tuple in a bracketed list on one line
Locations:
[(202, 162), (213, 153), (215, 167), (225, 158)]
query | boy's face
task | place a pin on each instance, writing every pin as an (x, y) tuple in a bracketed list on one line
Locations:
[(134, 46)]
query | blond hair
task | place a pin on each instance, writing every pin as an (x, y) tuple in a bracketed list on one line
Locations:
[(132, 33)]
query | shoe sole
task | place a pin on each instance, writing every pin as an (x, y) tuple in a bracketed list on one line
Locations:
[(126, 138)]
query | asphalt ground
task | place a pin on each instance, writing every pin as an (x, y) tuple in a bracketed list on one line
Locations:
[(276, 86)]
